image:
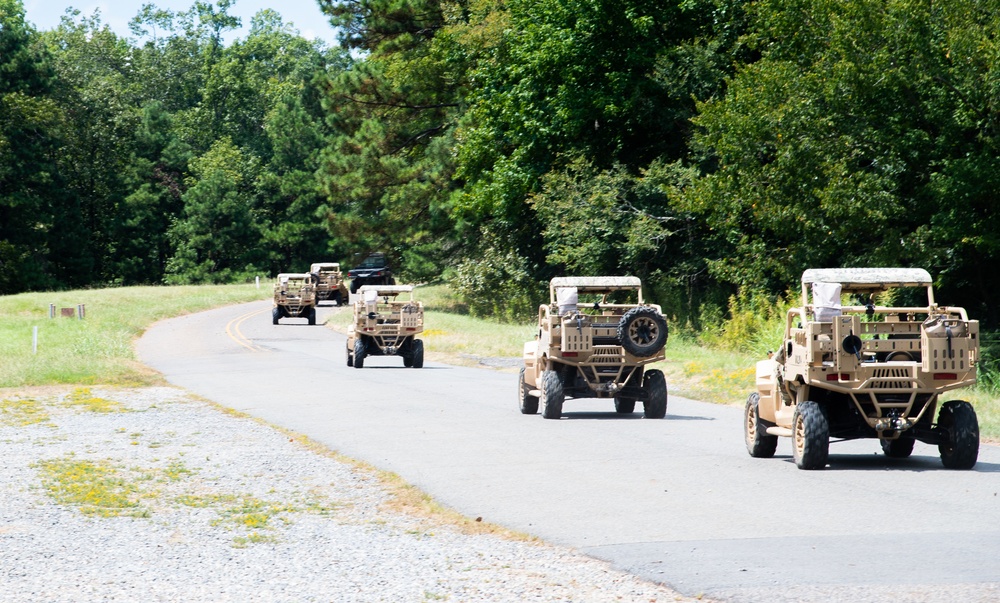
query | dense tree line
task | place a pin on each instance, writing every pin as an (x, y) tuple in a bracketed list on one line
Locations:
[(167, 157), (712, 147)]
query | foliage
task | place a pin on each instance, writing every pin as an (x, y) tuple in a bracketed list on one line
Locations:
[(498, 284), (865, 135)]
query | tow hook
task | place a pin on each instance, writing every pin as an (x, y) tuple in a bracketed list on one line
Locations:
[(893, 424), (610, 387)]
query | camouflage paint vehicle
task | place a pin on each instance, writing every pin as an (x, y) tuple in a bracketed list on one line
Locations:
[(294, 297), (595, 338), (872, 368), (386, 322), (329, 282)]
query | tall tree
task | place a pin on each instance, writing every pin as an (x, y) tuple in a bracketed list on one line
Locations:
[(388, 170), (867, 135), (30, 196)]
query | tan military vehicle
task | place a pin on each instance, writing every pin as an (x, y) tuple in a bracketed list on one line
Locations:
[(871, 369), (386, 323), (594, 340), (294, 297), (329, 282)]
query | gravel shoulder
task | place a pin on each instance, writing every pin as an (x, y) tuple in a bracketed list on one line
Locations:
[(116, 494)]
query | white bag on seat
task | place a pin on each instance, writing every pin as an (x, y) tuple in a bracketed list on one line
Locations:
[(567, 299), (826, 301)]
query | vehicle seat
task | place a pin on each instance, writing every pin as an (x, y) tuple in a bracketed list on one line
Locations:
[(826, 301), (567, 299)]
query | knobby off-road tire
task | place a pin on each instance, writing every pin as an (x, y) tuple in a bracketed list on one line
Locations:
[(350, 358), (418, 353), (275, 315), (900, 448), (407, 354), (655, 405), (960, 449), (359, 353), (759, 444), (525, 401), (624, 406), (312, 316), (552, 395), (810, 436), (642, 332)]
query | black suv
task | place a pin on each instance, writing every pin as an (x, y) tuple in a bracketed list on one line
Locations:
[(373, 270)]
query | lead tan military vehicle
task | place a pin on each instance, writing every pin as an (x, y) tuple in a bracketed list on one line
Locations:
[(294, 297), (329, 282), (595, 338), (874, 367), (387, 321)]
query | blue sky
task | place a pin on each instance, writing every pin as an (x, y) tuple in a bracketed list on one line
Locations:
[(304, 14)]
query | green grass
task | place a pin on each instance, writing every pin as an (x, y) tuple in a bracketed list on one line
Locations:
[(97, 349)]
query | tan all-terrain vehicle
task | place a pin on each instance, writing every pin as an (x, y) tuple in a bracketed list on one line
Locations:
[(867, 370), (595, 338), (294, 297), (386, 324), (329, 282)]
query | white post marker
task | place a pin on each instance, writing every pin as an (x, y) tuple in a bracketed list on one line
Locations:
[(257, 278), (34, 340)]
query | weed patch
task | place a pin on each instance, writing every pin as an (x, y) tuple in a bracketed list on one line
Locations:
[(21, 412), (99, 488), (82, 398)]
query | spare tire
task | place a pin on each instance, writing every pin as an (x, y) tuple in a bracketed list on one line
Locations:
[(642, 331)]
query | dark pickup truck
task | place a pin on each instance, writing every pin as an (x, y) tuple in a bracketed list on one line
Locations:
[(373, 270)]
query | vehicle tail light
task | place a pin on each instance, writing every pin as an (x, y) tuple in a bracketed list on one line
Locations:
[(570, 354), (945, 376), (838, 377)]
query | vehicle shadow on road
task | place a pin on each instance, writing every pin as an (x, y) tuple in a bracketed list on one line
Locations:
[(403, 368), (604, 415), (879, 462)]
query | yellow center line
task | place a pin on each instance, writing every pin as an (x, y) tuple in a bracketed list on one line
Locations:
[(234, 333)]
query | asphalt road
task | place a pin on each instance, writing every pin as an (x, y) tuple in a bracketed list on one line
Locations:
[(676, 500)]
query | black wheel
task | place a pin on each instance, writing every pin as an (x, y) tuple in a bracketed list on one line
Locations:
[(312, 315), (527, 402), (624, 406), (408, 359), (642, 331), (354, 285), (759, 444), (418, 353), (960, 448), (900, 448), (655, 405), (810, 436), (275, 315), (336, 298), (359, 353), (552, 395)]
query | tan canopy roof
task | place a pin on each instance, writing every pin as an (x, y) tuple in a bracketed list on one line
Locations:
[(596, 282), (885, 277)]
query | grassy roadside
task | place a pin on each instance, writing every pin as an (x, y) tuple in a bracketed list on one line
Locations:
[(97, 349)]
